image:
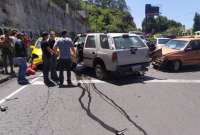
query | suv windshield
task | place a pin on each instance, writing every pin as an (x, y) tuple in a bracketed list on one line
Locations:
[(176, 44), (126, 42), (163, 41)]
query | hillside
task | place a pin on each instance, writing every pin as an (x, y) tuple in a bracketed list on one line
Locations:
[(109, 19)]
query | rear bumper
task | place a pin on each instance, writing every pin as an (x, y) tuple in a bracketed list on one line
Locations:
[(131, 68)]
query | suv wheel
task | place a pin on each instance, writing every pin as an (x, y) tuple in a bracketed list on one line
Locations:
[(100, 72), (176, 65)]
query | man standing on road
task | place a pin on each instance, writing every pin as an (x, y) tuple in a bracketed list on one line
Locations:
[(47, 53), (20, 59), (51, 41), (7, 52), (64, 44)]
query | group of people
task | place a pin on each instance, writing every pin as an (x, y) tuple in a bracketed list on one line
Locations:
[(56, 54), (14, 49), (53, 49)]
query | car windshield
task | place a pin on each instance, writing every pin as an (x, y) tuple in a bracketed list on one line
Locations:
[(163, 41), (38, 44), (126, 42), (176, 44)]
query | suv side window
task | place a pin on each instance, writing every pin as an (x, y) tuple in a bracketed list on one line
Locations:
[(195, 45), (104, 42), (90, 43)]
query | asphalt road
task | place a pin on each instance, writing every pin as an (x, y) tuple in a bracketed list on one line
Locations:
[(161, 103)]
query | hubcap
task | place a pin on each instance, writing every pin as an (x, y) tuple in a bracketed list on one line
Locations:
[(176, 66), (99, 72)]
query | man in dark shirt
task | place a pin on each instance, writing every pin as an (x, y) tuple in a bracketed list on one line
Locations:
[(47, 53), (7, 52), (51, 41), (20, 59)]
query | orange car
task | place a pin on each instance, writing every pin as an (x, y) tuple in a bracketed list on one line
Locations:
[(177, 53)]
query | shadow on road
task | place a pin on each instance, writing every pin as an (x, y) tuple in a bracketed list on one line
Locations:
[(184, 69), (120, 80), (86, 88)]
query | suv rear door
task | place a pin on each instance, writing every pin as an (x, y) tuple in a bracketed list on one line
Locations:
[(89, 51), (131, 50)]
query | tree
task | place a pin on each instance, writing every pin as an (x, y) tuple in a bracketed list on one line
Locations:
[(103, 19), (196, 26), (159, 24)]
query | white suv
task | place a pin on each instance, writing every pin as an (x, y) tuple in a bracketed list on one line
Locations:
[(115, 52)]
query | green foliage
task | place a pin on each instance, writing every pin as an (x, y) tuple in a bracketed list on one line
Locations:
[(103, 19), (161, 24), (196, 26)]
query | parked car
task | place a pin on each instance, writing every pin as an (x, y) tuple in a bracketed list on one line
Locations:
[(160, 42), (36, 54), (115, 52), (177, 53)]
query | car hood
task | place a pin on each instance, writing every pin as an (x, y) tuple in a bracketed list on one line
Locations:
[(37, 51), (166, 50), (159, 52)]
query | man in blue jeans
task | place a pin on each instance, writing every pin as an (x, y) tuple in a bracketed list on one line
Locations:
[(20, 59), (64, 44)]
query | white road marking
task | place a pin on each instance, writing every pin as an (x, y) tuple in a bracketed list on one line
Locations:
[(173, 81), (17, 91)]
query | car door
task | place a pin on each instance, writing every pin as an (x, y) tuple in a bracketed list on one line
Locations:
[(89, 51), (191, 55), (197, 53)]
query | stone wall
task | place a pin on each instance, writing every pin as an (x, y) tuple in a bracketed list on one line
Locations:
[(38, 15)]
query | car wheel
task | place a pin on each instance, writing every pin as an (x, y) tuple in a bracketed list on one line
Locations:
[(155, 67), (100, 72), (176, 65), (142, 73)]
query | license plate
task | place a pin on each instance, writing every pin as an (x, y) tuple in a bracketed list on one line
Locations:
[(136, 68)]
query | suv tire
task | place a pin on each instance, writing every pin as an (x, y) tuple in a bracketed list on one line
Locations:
[(100, 72)]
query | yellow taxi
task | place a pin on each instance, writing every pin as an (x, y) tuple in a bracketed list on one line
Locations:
[(36, 54)]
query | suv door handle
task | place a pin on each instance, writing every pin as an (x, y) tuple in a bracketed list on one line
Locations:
[(93, 52)]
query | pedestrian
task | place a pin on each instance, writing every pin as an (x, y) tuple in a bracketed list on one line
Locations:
[(53, 66), (20, 59), (47, 52), (64, 44), (7, 52)]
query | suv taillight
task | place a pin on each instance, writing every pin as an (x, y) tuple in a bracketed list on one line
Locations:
[(114, 57)]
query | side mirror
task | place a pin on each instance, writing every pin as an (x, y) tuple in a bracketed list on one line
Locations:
[(188, 49)]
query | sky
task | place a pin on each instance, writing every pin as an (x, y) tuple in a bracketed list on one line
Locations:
[(180, 10)]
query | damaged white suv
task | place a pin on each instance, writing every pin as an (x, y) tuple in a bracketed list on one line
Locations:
[(121, 53)]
